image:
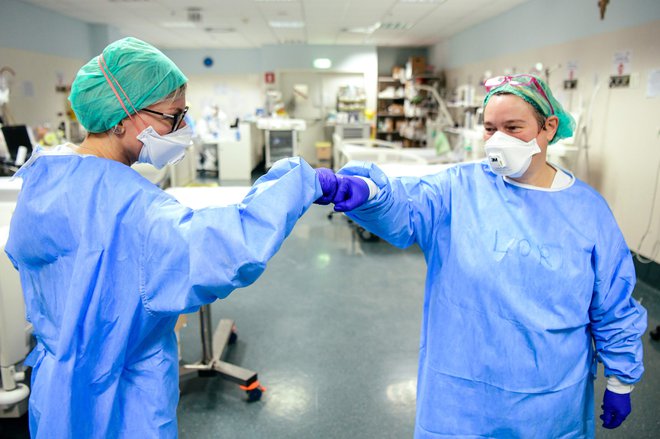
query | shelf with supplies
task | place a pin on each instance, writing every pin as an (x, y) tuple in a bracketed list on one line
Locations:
[(402, 110), (351, 102)]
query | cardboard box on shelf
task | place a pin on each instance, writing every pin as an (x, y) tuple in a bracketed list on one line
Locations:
[(398, 72), (323, 151), (388, 126), (395, 109), (416, 65)]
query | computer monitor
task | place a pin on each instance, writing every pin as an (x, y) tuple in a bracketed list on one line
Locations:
[(15, 137)]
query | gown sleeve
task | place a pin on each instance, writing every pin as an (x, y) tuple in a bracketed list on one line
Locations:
[(618, 321), (406, 209), (193, 257)]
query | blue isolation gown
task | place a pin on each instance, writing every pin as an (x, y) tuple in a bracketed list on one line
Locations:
[(520, 283), (107, 262)]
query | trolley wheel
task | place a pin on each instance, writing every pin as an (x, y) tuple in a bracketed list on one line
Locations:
[(254, 394), (254, 391), (366, 235), (233, 336), (655, 335)]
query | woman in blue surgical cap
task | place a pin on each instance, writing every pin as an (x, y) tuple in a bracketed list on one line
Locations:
[(108, 261), (529, 280)]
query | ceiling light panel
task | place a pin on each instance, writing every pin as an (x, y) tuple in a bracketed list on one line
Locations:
[(275, 24), (395, 26), (323, 19)]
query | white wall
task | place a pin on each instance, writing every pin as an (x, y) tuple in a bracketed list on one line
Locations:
[(236, 95), (540, 23), (33, 28), (625, 142), (33, 99), (273, 58)]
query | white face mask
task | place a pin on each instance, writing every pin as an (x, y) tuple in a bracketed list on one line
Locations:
[(162, 150), (508, 155)]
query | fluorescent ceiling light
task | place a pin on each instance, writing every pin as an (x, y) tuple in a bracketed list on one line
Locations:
[(286, 24), (178, 24), (396, 26), (322, 63), (363, 30)]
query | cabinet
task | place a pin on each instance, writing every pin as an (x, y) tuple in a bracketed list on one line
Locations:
[(235, 159), (389, 109), (281, 137), (403, 110), (280, 144), (236, 153), (351, 103)]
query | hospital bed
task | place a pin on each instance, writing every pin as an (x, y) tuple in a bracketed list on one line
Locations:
[(15, 331), (380, 151)]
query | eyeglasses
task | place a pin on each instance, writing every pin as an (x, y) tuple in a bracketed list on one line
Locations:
[(176, 118), (517, 81)]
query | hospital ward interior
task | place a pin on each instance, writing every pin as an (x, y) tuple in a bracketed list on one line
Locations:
[(334, 219)]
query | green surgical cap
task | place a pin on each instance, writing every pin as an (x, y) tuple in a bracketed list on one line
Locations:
[(532, 95), (141, 70)]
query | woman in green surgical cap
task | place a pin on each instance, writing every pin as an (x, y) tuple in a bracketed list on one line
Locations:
[(108, 261), (529, 280)]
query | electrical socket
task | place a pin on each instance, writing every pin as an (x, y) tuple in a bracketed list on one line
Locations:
[(570, 84), (622, 81)]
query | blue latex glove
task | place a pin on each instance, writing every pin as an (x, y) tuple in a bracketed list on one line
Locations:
[(328, 181), (352, 192), (615, 407)]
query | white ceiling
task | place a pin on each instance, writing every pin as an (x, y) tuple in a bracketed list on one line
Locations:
[(245, 23)]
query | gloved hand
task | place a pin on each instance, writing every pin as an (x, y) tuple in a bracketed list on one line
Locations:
[(616, 407), (328, 181), (352, 192)]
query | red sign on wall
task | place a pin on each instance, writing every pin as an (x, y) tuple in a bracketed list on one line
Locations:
[(269, 77)]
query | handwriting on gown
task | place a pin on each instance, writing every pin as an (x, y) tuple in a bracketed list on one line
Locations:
[(547, 255)]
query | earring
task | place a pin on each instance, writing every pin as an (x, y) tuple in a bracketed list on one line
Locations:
[(118, 130)]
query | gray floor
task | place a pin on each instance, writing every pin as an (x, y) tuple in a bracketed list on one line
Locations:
[(332, 328)]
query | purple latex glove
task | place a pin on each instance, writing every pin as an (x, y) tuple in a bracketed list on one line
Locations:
[(616, 407), (328, 181), (352, 192)]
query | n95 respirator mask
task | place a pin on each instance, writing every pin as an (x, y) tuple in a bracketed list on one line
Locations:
[(508, 155)]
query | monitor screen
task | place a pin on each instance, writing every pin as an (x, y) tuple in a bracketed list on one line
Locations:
[(15, 137)]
